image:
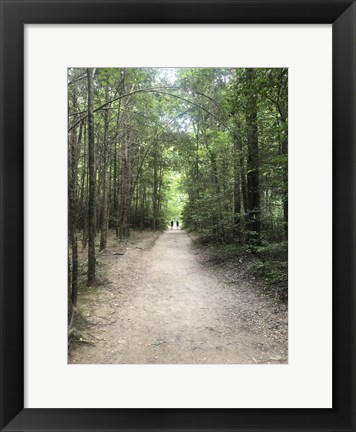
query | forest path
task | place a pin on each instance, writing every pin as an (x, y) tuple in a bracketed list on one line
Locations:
[(164, 305)]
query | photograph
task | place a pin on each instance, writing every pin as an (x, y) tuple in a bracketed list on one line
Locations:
[(162, 168), (177, 215)]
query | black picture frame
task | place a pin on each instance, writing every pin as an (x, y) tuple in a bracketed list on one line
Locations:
[(14, 14)]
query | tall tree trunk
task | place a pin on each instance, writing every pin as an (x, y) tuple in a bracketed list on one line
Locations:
[(155, 189), (285, 187), (110, 192), (160, 185), (91, 165), (116, 175), (137, 196), (143, 203), (82, 199), (70, 305), (218, 216), (116, 192), (104, 205), (237, 186), (84, 193), (253, 185), (125, 190), (72, 204), (243, 180)]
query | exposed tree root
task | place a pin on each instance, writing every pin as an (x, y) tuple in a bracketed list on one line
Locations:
[(84, 341)]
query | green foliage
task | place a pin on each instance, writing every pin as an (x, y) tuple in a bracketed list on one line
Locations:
[(175, 197)]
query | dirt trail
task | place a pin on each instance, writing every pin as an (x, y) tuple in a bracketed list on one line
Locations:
[(163, 305)]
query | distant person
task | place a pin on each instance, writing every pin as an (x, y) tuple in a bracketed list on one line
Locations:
[(177, 224), (172, 223)]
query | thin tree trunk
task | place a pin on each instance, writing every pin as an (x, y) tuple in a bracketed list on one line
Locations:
[(285, 187), (104, 206), (72, 204), (253, 186), (117, 177), (143, 201), (91, 165), (85, 190), (116, 193), (125, 190), (243, 180), (82, 200), (219, 221), (237, 186), (70, 305), (155, 189), (137, 196)]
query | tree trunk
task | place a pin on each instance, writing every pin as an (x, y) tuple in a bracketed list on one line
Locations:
[(285, 187), (70, 305), (125, 190), (237, 186), (218, 216), (243, 180), (91, 167), (143, 203), (253, 186), (72, 205), (155, 189), (104, 205), (116, 193)]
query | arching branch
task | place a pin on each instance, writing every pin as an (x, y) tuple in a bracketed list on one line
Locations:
[(152, 90)]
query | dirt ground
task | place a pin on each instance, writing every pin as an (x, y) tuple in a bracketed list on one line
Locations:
[(162, 303)]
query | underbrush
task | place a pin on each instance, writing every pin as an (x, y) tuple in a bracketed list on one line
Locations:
[(266, 264)]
